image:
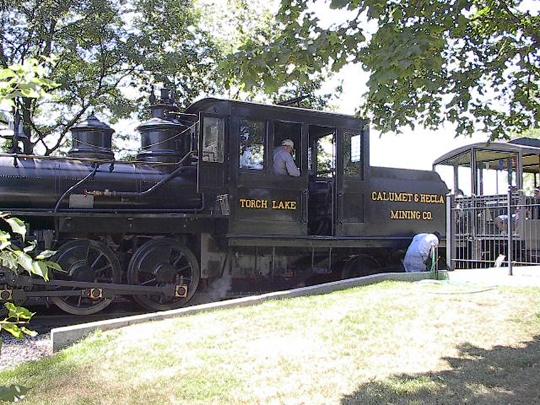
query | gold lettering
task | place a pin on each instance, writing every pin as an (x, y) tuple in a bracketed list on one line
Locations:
[(430, 199), (410, 215), (407, 197), (283, 205), (257, 204)]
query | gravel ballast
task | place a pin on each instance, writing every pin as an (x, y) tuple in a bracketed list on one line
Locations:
[(15, 352)]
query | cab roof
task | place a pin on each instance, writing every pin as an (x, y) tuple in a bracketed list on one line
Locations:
[(308, 115)]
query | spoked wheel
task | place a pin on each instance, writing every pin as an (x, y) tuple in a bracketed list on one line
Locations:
[(360, 266), (88, 261), (162, 262)]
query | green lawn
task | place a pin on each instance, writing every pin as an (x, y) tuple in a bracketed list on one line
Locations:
[(387, 343)]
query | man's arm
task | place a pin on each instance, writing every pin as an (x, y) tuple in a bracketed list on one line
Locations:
[(291, 166)]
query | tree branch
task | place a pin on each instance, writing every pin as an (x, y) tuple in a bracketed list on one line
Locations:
[(67, 127), (519, 22)]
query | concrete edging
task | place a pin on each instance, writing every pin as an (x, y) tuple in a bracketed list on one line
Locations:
[(68, 335)]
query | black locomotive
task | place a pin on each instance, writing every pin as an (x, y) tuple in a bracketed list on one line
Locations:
[(201, 203)]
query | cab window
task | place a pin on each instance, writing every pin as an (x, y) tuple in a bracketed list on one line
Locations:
[(352, 154), (213, 138), (252, 136), (323, 152)]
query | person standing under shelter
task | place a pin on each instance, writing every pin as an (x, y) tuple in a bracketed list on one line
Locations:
[(283, 161), (418, 256)]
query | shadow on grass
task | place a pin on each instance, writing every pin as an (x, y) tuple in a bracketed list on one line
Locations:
[(501, 375)]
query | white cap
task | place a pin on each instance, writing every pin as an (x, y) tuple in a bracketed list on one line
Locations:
[(287, 142)]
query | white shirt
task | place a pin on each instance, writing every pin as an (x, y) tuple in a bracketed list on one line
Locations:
[(418, 252), (284, 163)]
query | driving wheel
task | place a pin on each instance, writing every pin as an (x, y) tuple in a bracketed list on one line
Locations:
[(87, 261), (161, 262)]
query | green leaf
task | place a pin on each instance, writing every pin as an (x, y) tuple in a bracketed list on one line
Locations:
[(339, 3), (45, 254), (17, 226), (17, 312), (54, 266), (40, 269), (24, 261), (4, 236), (14, 330), (28, 332), (9, 260), (483, 12), (31, 246), (6, 74)]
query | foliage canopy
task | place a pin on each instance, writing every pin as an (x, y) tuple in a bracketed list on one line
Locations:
[(100, 47), (473, 63)]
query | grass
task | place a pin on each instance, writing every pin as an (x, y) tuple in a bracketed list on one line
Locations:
[(409, 343)]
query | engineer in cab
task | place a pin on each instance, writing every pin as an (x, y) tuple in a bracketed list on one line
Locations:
[(283, 161)]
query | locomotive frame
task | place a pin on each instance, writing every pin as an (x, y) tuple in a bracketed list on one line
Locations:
[(203, 192)]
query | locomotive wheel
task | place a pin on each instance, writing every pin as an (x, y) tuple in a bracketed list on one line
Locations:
[(160, 262), (89, 261), (360, 266)]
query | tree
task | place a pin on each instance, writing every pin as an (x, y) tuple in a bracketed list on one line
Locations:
[(102, 48), (232, 23), (15, 254), (21, 81), (473, 63), (307, 95)]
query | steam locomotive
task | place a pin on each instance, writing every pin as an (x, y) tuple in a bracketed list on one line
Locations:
[(201, 203)]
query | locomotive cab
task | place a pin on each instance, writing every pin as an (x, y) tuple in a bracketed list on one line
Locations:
[(237, 141), (338, 194)]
